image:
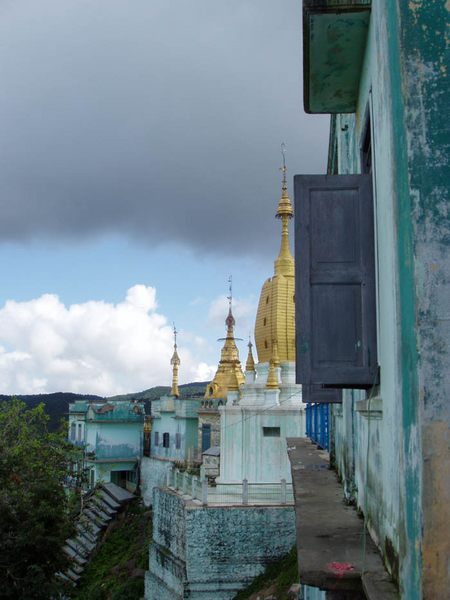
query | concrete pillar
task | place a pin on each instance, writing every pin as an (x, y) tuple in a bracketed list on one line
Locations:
[(205, 492)]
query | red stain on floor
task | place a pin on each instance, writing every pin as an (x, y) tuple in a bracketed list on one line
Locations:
[(340, 569)]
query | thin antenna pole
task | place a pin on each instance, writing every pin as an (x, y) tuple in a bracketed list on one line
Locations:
[(283, 168), (230, 291)]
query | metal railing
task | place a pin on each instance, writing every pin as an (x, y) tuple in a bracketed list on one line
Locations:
[(243, 493)]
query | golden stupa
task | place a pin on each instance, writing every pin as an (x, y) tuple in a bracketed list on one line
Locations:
[(275, 319), (229, 375)]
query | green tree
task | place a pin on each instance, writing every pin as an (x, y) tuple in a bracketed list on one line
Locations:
[(34, 520)]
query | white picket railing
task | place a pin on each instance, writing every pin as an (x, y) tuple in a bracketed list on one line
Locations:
[(243, 493)]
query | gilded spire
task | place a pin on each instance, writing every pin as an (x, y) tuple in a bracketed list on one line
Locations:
[(229, 374), (284, 264), (250, 364), (272, 381), (275, 319), (175, 362)]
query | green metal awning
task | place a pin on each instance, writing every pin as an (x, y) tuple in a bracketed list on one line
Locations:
[(334, 41)]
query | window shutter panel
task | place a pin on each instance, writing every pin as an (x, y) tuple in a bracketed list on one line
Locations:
[(321, 395), (335, 281)]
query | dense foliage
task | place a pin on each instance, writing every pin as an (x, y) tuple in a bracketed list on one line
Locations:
[(275, 581), (34, 520)]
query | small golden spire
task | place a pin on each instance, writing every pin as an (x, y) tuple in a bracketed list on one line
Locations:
[(250, 364), (272, 381), (229, 374), (175, 362), (284, 264)]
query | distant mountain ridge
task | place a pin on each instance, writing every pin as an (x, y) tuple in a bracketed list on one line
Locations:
[(187, 390), (57, 403)]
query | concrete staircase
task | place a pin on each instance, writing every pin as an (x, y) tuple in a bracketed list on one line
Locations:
[(101, 507)]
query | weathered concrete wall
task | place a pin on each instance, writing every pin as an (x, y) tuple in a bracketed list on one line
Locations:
[(378, 494), (153, 474), (397, 465), (114, 440), (202, 553), (246, 453), (424, 259), (213, 419), (181, 421)]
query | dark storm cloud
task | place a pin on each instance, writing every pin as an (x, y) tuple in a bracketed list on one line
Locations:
[(158, 119)]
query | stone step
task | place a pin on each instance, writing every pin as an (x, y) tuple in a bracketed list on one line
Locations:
[(117, 493), (103, 506), (87, 544), (73, 576), (74, 555), (96, 520), (65, 578), (87, 532), (92, 528), (79, 549), (95, 509), (108, 499), (76, 568)]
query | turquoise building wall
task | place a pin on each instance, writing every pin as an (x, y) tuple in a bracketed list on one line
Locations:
[(175, 416), (112, 438), (394, 458)]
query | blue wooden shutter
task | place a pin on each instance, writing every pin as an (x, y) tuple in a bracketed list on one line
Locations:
[(335, 281), (320, 394)]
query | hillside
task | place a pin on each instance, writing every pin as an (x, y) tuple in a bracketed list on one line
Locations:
[(57, 404), (187, 390)]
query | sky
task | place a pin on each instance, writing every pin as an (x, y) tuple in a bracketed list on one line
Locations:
[(139, 168)]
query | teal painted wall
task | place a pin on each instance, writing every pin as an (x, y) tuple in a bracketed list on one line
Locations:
[(406, 489), (112, 433), (172, 416), (424, 265), (114, 440)]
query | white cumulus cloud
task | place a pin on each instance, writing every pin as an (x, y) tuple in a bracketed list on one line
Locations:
[(93, 347)]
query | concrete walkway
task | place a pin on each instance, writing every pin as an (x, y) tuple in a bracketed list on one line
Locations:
[(330, 533)]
